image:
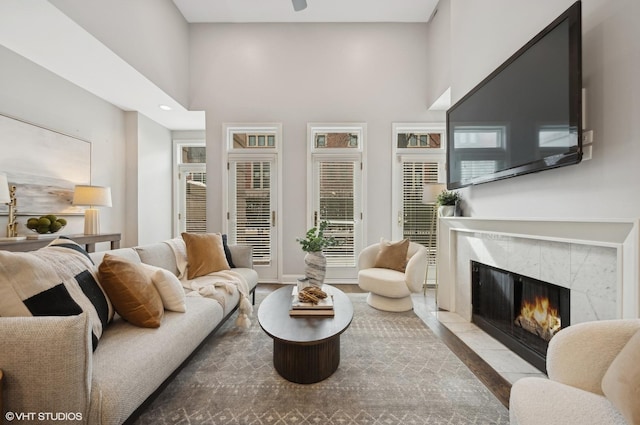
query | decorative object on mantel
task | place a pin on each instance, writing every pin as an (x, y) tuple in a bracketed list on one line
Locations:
[(92, 196), (430, 194), (8, 196), (448, 201), (315, 261)]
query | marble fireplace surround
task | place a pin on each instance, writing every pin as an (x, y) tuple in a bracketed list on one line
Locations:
[(596, 259)]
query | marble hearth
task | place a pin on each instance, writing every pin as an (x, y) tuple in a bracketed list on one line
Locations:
[(596, 259)]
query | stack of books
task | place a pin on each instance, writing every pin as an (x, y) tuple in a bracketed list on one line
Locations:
[(324, 308)]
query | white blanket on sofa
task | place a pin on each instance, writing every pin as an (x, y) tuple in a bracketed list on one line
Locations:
[(211, 284)]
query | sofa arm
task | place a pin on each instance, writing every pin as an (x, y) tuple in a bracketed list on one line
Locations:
[(242, 256), (579, 355), (367, 257), (46, 362), (416, 269)]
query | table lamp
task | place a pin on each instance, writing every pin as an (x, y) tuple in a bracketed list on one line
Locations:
[(92, 196)]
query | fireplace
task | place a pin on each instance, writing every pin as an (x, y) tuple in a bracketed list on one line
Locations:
[(521, 312)]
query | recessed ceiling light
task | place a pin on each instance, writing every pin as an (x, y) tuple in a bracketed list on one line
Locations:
[(165, 107)]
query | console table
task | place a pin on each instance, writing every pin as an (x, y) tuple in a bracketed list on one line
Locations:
[(89, 241)]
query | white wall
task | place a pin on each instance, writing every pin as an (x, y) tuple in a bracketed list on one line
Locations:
[(149, 172), (604, 187), (30, 93), (151, 35), (439, 51), (130, 153), (300, 73), (155, 183)]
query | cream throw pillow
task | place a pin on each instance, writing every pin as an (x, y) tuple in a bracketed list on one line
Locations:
[(621, 382), (205, 254), (392, 255), (168, 286), (131, 291)]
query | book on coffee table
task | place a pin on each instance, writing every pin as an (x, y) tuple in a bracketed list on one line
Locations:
[(323, 304), (301, 312)]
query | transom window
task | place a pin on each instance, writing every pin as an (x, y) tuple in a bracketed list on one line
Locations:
[(336, 140), (253, 140), (419, 140)]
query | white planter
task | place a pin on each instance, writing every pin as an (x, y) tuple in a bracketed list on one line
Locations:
[(447, 210), (315, 267)]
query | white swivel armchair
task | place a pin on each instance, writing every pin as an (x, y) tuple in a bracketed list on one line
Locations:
[(390, 290)]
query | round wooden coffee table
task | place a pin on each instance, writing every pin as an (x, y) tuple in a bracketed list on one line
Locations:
[(305, 349)]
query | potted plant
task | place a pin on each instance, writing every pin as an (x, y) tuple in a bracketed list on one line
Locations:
[(447, 201), (313, 244)]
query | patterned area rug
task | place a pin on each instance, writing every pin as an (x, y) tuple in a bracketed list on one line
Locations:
[(393, 370)]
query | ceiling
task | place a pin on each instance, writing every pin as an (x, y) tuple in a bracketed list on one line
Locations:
[(43, 34), (316, 11)]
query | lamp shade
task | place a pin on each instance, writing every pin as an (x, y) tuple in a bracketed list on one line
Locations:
[(5, 196), (92, 196), (431, 191)]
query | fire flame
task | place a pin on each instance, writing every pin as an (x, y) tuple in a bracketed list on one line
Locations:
[(539, 318)]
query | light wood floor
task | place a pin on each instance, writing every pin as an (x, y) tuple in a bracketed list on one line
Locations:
[(499, 386)]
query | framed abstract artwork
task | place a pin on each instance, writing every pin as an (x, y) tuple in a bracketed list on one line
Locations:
[(44, 165)]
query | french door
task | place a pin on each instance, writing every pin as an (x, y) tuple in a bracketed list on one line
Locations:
[(336, 193), (252, 210)]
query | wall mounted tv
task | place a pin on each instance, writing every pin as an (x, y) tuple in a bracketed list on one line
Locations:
[(524, 117)]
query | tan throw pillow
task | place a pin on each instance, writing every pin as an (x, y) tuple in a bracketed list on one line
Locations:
[(392, 255), (205, 254), (131, 291), (621, 382)]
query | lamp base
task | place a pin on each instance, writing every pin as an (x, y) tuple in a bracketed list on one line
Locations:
[(91, 221)]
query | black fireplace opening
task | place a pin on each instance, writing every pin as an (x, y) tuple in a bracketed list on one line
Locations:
[(521, 312)]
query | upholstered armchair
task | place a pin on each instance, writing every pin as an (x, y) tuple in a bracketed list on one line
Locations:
[(594, 378), (390, 275)]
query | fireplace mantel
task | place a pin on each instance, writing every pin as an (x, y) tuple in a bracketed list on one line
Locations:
[(621, 236)]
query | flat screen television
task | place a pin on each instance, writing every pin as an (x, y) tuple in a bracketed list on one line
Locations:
[(526, 116)]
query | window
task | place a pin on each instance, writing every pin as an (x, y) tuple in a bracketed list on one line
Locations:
[(253, 140), (419, 140)]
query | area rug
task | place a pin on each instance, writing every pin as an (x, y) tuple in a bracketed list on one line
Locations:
[(393, 370)]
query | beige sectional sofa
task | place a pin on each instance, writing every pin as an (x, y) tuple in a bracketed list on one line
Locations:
[(52, 375)]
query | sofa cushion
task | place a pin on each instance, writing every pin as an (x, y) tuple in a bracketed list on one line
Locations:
[(621, 382), (57, 280), (131, 291), (392, 255), (147, 361), (158, 254), (205, 254), (168, 286)]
